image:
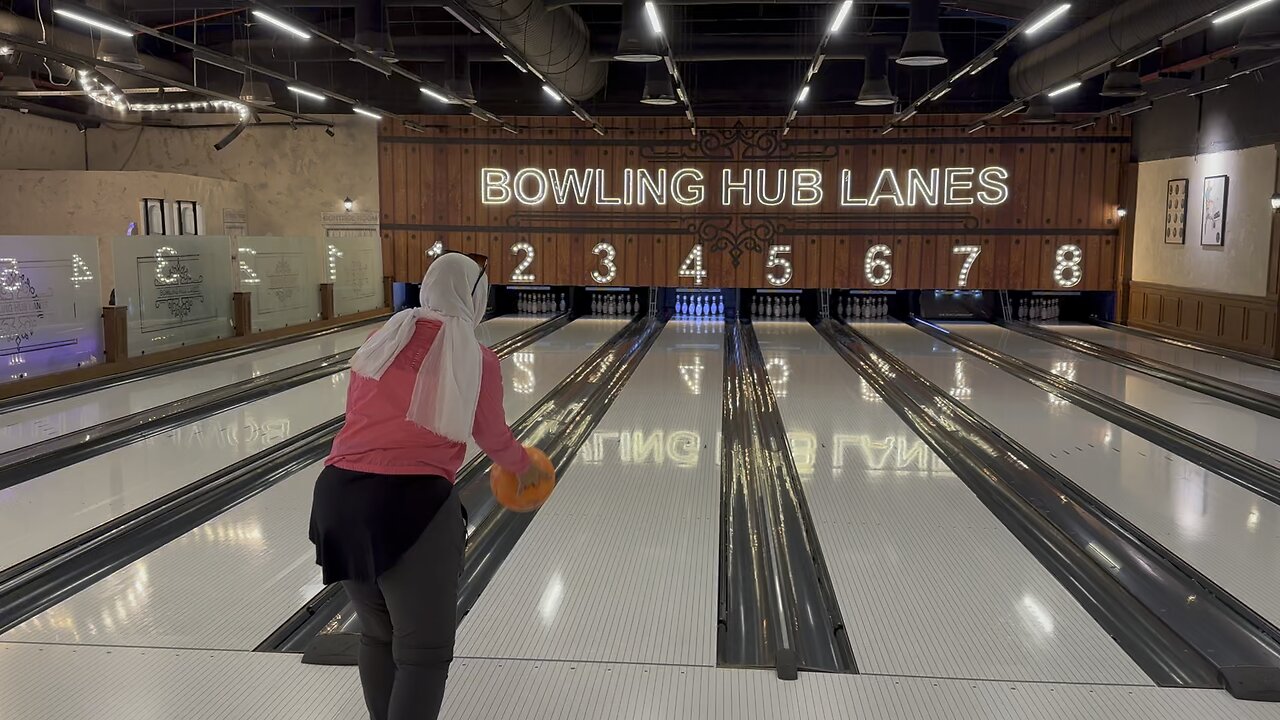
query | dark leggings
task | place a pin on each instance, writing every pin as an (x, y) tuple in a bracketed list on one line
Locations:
[(407, 621)]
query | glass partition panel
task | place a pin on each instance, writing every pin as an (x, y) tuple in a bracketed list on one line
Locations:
[(355, 269), (177, 289), (283, 276), (50, 312)]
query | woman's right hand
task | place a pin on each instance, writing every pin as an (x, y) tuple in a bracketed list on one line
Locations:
[(530, 477)]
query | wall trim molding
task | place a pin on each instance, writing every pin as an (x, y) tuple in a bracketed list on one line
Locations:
[(1239, 322)]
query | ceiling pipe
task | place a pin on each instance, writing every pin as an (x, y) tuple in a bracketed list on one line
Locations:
[(79, 44), (1089, 49), (556, 44)]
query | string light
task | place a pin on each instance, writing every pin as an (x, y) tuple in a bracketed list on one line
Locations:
[(1067, 272), (608, 254), (692, 266), (519, 274), (878, 257), (972, 251), (776, 260)]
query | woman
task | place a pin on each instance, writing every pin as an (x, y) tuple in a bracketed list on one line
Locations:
[(386, 520)]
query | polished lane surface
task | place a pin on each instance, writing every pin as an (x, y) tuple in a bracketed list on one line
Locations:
[(621, 564), (1222, 368), (1250, 432), (930, 583), (231, 582), (1223, 530), (55, 507)]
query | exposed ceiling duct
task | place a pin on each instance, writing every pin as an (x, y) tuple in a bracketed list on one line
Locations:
[(556, 44), (83, 45), (371, 30), (1088, 49)]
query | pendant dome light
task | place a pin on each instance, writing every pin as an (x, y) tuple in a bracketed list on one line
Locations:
[(875, 80), (657, 86), (119, 50), (923, 45), (459, 80), (1039, 110), (1122, 83), (637, 42), (253, 89)]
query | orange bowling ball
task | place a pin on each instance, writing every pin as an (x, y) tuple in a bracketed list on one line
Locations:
[(505, 484)]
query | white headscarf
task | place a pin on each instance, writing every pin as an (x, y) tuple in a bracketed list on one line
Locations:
[(448, 384)]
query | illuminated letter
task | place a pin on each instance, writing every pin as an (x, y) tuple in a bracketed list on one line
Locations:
[(888, 179), (992, 179), (693, 194), (601, 198), (846, 190), (577, 181), (729, 187), (955, 182), (645, 185), (762, 186), (540, 179), (493, 186), (628, 186), (806, 187), (918, 188)]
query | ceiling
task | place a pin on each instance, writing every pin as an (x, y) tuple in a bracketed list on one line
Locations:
[(732, 58)]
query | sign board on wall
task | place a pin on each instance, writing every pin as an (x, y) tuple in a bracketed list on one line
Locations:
[(833, 204), (50, 317), (283, 277), (177, 289)]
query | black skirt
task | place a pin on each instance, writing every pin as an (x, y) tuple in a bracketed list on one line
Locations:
[(361, 523)]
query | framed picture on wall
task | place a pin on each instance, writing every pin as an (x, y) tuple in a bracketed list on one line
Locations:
[(1175, 212), (1213, 229), (188, 217), (153, 216)]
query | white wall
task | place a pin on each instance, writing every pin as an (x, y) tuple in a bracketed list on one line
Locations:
[(1240, 265), (292, 176), (30, 142)]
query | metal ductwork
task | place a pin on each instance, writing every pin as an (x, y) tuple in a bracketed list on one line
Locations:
[(556, 44), (1088, 49), (74, 42)]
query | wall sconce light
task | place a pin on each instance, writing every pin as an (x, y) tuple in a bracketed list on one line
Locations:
[(348, 204), (1275, 202), (1121, 212)]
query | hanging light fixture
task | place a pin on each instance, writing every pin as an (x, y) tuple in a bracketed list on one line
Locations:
[(657, 86), (119, 50), (637, 42), (875, 81), (1122, 83), (923, 45), (459, 80), (253, 89), (1039, 110)]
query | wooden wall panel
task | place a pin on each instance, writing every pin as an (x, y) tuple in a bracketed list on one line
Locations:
[(1238, 322), (1064, 187)]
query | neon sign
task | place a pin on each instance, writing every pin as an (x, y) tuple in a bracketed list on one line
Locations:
[(743, 187)]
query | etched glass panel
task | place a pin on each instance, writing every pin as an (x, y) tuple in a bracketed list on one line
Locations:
[(177, 289), (283, 276), (354, 266)]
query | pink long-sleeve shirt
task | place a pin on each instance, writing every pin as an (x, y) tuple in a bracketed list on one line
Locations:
[(378, 439)]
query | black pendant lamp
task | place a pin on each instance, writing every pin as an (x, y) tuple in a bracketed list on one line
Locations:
[(637, 42), (923, 45), (459, 80), (657, 86), (1122, 83), (875, 81)]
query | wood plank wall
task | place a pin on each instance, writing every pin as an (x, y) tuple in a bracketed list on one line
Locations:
[(1065, 188)]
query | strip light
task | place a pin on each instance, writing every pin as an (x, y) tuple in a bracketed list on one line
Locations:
[(976, 128), (1208, 90), (983, 66), (466, 23), (651, 11), (841, 14), (434, 95), (94, 22), (1011, 111), (804, 93), (368, 113), (1065, 88), (552, 92), (1134, 111), (1139, 56), (942, 92), (1240, 11), (288, 27), (1048, 18), (513, 62), (306, 93)]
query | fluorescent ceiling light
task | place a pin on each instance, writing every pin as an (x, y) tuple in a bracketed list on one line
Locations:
[(804, 93), (6, 50), (888, 129), (976, 128), (1139, 56), (983, 66), (1208, 90), (651, 10), (552, 92), (1011, 111), (1240, 11), (368, 113), (683, 98), (434, 95), (908, 116), (299, 32), (1134, 111), (1064, 88), (942, 92), (1048, 18), (93, 22), (296, 90), (841, 14), (1085, 126), (372, 65), (513, 62), (466, 23)]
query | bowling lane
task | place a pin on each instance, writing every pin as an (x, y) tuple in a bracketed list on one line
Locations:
[(231, 582), (621, 564), (55, 507), (1245, 430), (1225, 531), (1223, 368), (929, 582)]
